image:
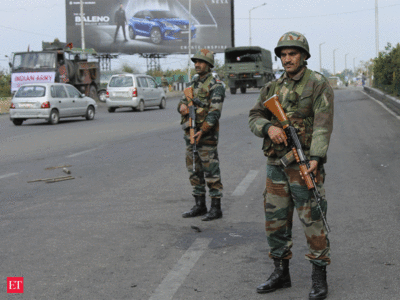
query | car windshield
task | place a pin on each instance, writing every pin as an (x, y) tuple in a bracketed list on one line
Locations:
[(34, 60), (105, 77), (163, 14), (121, 81), (32, 91)]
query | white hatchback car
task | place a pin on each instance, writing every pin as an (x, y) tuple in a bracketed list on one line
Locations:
[(50, 101), (134, 90)]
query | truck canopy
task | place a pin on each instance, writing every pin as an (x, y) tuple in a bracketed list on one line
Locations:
[(248, 54)]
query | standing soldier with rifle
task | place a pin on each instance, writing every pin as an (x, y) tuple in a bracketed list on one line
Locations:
[(200, 111), (299, 103)]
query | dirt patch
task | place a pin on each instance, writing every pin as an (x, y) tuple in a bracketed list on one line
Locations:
[(5, 105)]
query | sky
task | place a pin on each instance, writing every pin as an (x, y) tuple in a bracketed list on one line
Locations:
[(345, 25)]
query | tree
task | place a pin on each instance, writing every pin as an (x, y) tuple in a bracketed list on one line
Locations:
[(5, 80), (386, 69), (129, 69), (326, 73)]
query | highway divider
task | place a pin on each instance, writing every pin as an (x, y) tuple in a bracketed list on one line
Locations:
[(391, 102)]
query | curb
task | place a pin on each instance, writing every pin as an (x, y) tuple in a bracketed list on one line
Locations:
[(390, 102)]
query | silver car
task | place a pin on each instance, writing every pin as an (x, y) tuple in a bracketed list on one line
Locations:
[(50, 101), (134, 90)]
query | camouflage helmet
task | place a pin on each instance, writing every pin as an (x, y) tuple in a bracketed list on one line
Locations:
[(293, 39), (204, 55)]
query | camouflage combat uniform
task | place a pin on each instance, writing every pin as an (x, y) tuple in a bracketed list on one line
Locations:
[(307, 99), (211, 93)]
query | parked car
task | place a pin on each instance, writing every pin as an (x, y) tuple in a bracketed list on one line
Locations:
[(159, 25), (50, 101), (134, 90)]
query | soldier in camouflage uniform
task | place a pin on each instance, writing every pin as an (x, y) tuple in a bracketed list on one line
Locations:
[(211, 93), (307, 99)]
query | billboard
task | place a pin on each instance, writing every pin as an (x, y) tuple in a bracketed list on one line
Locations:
[(151, 26)]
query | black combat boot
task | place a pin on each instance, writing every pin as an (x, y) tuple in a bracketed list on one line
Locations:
[(280, 277), (199, 209), (215, 210), (319, 288)]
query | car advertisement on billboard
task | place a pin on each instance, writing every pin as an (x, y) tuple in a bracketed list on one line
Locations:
[(151, 26)]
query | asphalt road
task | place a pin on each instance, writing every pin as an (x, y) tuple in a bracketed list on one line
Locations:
[(115, 231)]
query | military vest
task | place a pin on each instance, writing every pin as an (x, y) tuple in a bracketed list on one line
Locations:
[(297, 103), (201, 90)]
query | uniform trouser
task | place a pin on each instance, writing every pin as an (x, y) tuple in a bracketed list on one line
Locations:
[(286, 190), (207, 170), (116, 31)]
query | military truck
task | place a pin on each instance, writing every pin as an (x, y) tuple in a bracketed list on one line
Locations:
[(57, 62), (247, 67)]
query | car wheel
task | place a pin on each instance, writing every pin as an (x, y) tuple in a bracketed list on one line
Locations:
[(132, 34), (243, 90), (111, 109), (155, 36), (93, 93), (163, 103), (54, 117), (90, 113), (141, 106), (102, 96), (233, 91), (17, 122)]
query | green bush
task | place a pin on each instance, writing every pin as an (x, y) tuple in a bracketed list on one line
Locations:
[(387, 70), (5, 80)]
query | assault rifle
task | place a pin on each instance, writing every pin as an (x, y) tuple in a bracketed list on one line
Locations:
[(192, 120), (274, 106)]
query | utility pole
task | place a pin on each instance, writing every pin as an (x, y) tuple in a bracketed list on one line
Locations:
[(320, 60), (376, 28), (82, 27), (345, 62), (190, 38), (354, 65), (334, 67), (250, 21)]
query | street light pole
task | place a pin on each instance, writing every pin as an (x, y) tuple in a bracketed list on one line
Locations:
[(376, 28), (345, 62), (334, 67), (82, 27), (250, 21), (190, 37), (320, 60)]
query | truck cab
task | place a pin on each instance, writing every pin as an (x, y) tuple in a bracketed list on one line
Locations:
[(57, 62)]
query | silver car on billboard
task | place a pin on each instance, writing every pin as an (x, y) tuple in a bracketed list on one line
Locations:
[(50, 101)]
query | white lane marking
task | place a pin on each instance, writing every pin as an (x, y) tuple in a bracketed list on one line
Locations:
[(174, 279), (383, 105), (242, 187), (8, 175), (82, 152)]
